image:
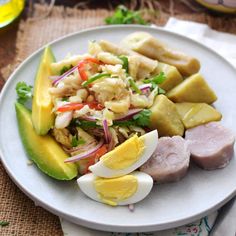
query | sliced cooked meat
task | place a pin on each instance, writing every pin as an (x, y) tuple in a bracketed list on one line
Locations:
[(211, 145), (170, 160)]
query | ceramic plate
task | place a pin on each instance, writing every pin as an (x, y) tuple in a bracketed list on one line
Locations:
[(168, 205)]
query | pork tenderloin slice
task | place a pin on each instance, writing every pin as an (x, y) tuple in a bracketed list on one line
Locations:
[(170, 161), (211, 145)]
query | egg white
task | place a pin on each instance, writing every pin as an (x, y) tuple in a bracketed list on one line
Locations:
[(150, 142), (145, 183)]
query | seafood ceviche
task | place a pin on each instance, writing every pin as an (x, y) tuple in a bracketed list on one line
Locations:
[(120, 117)]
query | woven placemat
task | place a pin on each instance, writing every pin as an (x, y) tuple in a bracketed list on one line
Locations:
[(24, 217)]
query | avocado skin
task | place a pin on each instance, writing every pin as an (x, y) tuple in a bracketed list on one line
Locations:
[(44, 151), (42, 116)]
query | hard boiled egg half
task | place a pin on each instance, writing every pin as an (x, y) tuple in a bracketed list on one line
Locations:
[(124, 190), (126, 157)]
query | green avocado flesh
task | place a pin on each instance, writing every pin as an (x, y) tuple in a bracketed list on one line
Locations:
[(44, 151), (42, 116)]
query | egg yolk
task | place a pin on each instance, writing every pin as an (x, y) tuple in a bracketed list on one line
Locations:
[(125, 154), (112, 191)]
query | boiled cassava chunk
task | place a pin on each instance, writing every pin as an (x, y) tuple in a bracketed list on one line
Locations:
[(194, 114), (165, 117), (145, 44), (173, 77), (192, 89)]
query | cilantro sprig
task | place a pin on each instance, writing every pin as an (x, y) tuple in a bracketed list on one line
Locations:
[(123, 15), (141, 119), (24, 92), (155, 81), (83, 124), (77, 141), (125, 63), (134, 86)]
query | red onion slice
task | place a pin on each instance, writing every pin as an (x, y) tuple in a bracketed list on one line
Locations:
[(53, 77), (85, 154), (129, 115), (89, 118), (83, 148), (145, 88), (106, 131), (131, 207), (56, 81)]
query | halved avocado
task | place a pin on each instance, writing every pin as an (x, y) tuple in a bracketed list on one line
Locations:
[(44, 151), (42, 116)]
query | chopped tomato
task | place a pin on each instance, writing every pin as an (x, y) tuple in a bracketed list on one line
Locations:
[(82, 64), (78, 106), (95, 157), (93, 60), (82, 72)]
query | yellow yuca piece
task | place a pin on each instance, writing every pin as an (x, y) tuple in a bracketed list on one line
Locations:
[(194, 114), (165, 117), (173, 77), (192, 89), (149, 46)]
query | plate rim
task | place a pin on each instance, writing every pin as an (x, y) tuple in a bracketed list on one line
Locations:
[(89, 223)]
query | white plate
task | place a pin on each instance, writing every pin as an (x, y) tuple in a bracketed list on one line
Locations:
[(168, 205)]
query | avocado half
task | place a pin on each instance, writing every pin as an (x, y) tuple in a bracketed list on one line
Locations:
[(44, 151), (42, 116)]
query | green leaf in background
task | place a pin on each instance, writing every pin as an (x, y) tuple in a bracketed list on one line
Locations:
[(24, 92), (123, 15), (4, 223)]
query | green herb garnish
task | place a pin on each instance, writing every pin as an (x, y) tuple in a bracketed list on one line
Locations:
[(142, 118), (154, 81), (65, 99), (161, 91), (157, 79), (65, 69), (83, 123), (24, 92), (77, 141), (125, 64), (95, 77), (4, 223), (134, 86), (123, 123), (123, 15)]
